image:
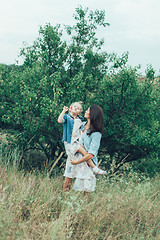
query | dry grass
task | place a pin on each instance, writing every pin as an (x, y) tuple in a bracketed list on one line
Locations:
[(3, 136), (33, 206)]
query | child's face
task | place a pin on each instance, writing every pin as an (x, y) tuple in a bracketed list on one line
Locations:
[(75, 108)]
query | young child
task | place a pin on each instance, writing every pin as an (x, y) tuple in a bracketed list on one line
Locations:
[(72, 130)]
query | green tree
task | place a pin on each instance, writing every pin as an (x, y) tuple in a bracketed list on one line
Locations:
[(48, 50), (37, 94), (132, 114), (57, 72), (84, 49)]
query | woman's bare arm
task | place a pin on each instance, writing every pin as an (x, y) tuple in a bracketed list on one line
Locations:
[(87, 157)]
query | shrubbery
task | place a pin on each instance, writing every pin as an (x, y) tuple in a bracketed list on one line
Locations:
[(56, 72)]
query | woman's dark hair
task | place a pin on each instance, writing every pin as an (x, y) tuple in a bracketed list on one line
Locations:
[(96, 119)]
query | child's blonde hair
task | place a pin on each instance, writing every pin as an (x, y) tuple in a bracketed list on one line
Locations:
[(79, 104)]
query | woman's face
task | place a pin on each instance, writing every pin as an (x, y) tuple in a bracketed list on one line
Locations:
[(87, 113)]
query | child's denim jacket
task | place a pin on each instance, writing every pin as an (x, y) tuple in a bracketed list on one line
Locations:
[(68, 122)]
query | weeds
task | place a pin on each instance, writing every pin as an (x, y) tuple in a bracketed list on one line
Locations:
[(33, 206)]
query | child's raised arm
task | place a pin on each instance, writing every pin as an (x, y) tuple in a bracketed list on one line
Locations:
[(60, 118)]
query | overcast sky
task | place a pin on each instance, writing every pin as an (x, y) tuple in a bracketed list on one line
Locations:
[(134, 26)]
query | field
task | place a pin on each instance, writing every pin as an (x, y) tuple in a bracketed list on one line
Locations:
[(33, 206), (66, 64)]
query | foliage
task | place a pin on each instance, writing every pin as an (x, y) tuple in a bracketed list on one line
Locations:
[(36, 95), (84, 50), (57, 72), (131, 114)]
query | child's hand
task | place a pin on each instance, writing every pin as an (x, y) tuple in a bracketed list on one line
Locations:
[(65, 109), (73, 161)]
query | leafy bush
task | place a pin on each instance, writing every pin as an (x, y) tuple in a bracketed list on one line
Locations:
[(56, 72)]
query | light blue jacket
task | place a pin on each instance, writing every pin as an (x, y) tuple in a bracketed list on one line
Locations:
[(68, 122), (92, 143)]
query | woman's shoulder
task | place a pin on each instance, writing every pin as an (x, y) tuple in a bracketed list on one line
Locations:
[(96, 135)]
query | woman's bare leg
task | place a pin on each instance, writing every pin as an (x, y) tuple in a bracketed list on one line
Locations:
[(67, 184), (87, 196)]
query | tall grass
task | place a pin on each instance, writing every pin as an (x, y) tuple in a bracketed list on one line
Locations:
[(8, 156), (33, 206)]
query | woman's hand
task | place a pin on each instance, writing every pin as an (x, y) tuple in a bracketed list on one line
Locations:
[(73, 161)]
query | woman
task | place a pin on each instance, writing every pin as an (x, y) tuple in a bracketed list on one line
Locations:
[(78, 167)]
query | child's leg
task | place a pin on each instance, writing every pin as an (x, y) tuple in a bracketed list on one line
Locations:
[(91, 163), (83, 151), (95, 168)]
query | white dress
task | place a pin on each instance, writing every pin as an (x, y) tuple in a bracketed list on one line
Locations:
[(85, 179)]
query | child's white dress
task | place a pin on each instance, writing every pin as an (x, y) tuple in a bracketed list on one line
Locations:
[(85, 179)]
